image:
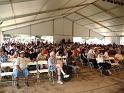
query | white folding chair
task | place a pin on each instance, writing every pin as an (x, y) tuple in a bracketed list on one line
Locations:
[(90, 64), (3, 74)]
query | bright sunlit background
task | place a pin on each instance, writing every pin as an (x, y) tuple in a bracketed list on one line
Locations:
[(49, 39), (91, 40), (27, 38)]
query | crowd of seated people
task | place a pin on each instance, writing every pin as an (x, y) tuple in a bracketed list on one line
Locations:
[(73, 52)]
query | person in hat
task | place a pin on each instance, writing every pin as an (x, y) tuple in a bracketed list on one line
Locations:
[(20, 68)]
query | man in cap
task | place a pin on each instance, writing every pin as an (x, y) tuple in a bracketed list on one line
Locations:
[(20, 68)]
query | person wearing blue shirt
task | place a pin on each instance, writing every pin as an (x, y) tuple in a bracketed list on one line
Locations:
[(54, 67), (3, 58)]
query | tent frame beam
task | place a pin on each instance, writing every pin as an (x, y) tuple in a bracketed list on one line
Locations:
[(92, 20), (13, 1), (108, 12), (63, 15), (42, 12), (34, 23)]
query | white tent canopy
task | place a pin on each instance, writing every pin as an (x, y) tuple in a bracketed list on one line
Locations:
[(62, 18)]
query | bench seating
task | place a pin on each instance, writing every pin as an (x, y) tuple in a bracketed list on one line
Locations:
[(9, 64)]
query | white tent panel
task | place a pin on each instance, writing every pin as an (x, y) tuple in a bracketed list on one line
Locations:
[(50, 18), (106, 5), (5, 10), (121, 33), (122, 18), (27, 7), (59, 12), (18, 13), (101, 30), (74, 17), (84, 21), (75, 9), (89, 1), (59, 27), (116, 28), (76, 2), (37, 29), (67, 27), (89, 10), (30, 22), (8, 28), (4, 0), (107, 23), (62, 27), (24, 19), (97, 35), (101, 16), (45, 28), (47, 19), (43, 15), (118, 11), (9, 22), (108, 39), (116, 39), (80, 31), (91, 26), (55, 13), (22, 25), (53, 4), (108, 34), (22, 30), (112, 22)]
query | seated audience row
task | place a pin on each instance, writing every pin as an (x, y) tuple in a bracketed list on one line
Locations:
[(60, 57)]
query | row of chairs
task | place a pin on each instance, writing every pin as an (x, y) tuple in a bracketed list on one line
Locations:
[(36, 71), (100, 68)]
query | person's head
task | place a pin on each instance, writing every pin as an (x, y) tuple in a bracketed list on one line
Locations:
[(1, 51), (69, 53), (52, 54), (100, 54), (41, 50), (22, 54), (16, 54), (118, 52), (31, 51)]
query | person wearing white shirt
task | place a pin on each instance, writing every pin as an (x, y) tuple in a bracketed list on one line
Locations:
[(100, 58), (55, 66), (106, 55), (91, 57), (100, 61), (20, 69), (91, 54)]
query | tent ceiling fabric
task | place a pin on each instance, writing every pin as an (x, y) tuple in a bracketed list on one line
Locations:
[(103, 17)]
